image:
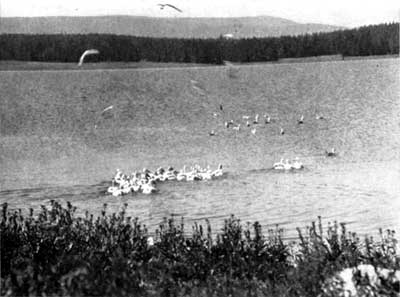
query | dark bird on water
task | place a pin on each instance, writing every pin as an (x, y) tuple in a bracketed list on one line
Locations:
[(162, 6)]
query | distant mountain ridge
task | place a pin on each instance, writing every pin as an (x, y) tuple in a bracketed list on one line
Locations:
[(241, 27)]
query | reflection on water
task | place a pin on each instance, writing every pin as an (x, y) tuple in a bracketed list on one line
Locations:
[(359, 101)]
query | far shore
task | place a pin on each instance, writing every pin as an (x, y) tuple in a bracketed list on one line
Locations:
[(37, 66)]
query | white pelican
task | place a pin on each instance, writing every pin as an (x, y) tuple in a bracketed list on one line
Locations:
[(301, 121), (212, 133), (278, 165), (287, 165), (237, 128), (126, 189), (282, 131), (253, 131), (86, 53), (207, 175), (268, 120), (245, 117), (181, 176), (332, 153), (297, 164), (218, 172), (319, 117), (162, 6), (248, 124), (116, 192), (256, 119), (112, 188), (148, 188)]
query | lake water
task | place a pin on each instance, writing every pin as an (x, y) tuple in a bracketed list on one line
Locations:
[(51, 149)]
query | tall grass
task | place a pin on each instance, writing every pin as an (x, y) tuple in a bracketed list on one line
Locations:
[(55, 253)]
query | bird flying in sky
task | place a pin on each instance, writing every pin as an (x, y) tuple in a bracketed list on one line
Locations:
[(86, 53), (162, 6)]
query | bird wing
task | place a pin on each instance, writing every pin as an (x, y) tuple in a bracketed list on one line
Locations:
[(174, 7), (87, 52)]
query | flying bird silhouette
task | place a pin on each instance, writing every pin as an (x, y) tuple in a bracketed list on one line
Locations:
[(162, 6)]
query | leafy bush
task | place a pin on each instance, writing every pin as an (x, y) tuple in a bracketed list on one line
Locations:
[(56, 253)]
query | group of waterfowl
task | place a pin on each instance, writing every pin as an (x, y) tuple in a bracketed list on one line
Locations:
[(145, 181), (236, 125), (288, 165)]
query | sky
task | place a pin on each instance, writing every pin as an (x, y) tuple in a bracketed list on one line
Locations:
[(349, 13)]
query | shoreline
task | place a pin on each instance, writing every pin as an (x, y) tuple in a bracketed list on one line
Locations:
[(143, 65)]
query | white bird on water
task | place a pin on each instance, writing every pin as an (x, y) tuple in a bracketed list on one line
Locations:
[(332, 153), (237, 128), (253, 131), (86, 53), (282, 131), (256, 119), (107, 109)]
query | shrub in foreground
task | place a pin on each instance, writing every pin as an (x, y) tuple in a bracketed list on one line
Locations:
[(57, 253)]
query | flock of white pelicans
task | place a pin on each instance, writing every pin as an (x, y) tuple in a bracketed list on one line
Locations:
[(145, 181)]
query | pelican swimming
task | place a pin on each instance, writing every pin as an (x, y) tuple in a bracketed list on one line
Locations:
[(332, 153), (218, 172), (256, 119), (245, 117), (237, 128), (181, 174), (278, 165), (297, 164), (148, 188), (287, 165), (228, 124)]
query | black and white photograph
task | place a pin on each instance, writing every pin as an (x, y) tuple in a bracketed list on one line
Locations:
[(200, 148)]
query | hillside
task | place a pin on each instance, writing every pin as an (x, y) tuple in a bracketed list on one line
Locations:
[(161, 27)]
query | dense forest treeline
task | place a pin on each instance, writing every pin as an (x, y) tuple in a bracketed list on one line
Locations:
[(380, 39)]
